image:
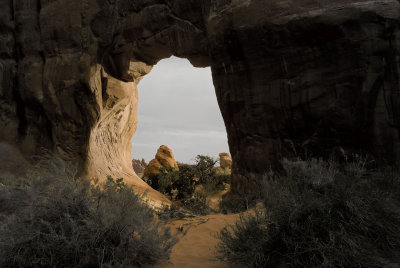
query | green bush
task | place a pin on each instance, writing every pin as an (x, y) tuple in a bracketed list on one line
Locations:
[(197, 204), (182, 180), (163, 181), (208, 177), (320, 215), (173, 212), (189, 208), (235, 203), (204, 166), (185, 182), (69, 223), (185, 179)]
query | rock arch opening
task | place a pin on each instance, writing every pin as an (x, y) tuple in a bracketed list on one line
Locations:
[(320, 74), (178, 107)]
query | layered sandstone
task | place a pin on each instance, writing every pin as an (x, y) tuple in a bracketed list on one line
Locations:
[(225, 164), (164, 159), (292, 77), (225, 161)]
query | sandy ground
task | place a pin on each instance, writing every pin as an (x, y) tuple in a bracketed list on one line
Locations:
[(196, 246)]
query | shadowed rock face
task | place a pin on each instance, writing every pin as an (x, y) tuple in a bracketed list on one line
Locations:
[(292, 77)]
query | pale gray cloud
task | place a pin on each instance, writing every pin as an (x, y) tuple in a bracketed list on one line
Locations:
[(178, 108)]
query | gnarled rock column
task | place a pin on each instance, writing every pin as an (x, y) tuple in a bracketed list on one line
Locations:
[(110, 146)]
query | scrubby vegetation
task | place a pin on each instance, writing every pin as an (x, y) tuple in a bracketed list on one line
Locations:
[(55, 220), (180, 184), (320, 214), (237, 204), (188, 208), (208, 176), (180, 181)]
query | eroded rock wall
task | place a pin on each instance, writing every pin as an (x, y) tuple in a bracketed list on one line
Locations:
[(292, 77), (305, 78)]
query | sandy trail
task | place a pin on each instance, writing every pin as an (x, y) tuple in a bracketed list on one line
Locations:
[(196, 246)]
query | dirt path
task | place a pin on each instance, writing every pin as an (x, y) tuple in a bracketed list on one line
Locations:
[(196, 246)]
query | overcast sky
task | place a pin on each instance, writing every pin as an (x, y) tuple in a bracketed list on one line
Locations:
[(178, 108)]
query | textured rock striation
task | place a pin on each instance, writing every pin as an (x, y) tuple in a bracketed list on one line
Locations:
[(292, 77)]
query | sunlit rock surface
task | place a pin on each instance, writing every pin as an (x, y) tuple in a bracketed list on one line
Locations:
[(292, 77), (139, 165), (164, 159), (225, 160), (225, 164)]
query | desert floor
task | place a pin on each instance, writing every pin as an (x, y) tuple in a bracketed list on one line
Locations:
[(196, 245)]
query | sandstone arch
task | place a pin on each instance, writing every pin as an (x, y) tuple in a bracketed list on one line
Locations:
[(288, 75)]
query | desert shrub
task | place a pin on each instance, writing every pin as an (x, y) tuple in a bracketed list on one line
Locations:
[(358, 166), (163, 181), (73, 223), (319, 215), (236, 203), (187, 177), (208, 177), (314, 171), (224, 178), (198, 204), (191, 207), (173, 212), (243, 243), (204, 165), (185, 182), (182, 180), (215, 183)]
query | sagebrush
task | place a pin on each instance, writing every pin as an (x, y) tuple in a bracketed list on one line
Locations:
[(60, 221), (321, 214)]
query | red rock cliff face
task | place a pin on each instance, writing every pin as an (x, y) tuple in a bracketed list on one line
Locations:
[(306, 77), (291, 77)]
